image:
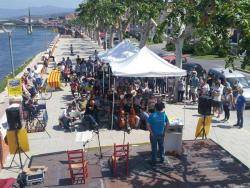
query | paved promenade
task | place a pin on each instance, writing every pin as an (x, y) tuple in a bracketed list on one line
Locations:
[(234, 140)]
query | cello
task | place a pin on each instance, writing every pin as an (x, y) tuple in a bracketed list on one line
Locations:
[(122, 120), (132, 118)]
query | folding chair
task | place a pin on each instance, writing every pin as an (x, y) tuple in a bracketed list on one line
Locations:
[(121, 153), (78, 167)]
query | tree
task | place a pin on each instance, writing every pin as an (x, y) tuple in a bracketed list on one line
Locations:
[(207, 21)]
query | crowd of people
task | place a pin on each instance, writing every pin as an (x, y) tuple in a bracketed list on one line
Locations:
[(225, 96), (93, 94)]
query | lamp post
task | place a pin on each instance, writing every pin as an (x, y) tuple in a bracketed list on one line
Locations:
[(7, 28)]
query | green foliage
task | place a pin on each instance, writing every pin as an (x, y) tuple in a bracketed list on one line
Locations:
[(230, 61), (188, 48), (170, 47), (157, 38)]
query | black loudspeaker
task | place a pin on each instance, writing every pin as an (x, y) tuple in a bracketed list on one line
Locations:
[(205, 105), (14, 118)]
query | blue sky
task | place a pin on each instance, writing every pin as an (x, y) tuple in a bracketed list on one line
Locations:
[(16, 4)]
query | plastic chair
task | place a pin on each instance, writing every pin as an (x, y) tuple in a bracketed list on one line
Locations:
[(7, 183), (121, 153), (78, 167)]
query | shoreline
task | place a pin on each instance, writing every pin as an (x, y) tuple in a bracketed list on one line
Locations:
[(30, 62)]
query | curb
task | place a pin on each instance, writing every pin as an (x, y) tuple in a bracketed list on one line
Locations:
[(245, 71)]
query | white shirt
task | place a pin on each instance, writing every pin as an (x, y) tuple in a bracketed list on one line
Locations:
[(218, 91)]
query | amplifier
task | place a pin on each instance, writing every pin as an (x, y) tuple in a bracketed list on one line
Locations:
[(35, 178)]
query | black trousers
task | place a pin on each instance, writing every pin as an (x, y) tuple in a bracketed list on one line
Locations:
[(180, 96), (227, 111)]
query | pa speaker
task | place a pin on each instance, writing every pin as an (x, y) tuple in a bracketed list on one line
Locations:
[(13, 115), (205, 105)]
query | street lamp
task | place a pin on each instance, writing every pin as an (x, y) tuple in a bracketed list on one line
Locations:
[(8, 28)]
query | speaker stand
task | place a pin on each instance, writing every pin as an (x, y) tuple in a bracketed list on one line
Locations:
[(202, 131), (18, 151)]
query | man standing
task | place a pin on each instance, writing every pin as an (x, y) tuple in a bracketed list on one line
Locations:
[(240, 106), (194, 83), (157, 122)]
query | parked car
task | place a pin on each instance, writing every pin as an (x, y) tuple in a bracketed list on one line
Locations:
[(189, 67), (171, 58), (232, 76)]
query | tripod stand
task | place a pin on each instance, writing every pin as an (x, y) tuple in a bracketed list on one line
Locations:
[(18, 151), (202, 132)]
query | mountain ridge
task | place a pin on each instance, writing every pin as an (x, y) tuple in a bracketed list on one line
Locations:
[(35, 11)]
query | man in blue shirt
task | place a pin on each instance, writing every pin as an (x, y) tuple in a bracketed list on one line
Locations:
[(240, 106), (157, 122)]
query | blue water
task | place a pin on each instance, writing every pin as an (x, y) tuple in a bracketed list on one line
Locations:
[(24, 46)]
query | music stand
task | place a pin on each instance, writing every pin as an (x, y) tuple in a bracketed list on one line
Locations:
[(84, 137), (96, 131)]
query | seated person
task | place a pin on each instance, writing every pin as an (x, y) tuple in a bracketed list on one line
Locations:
[(29, 105), (91, 109), (74, 86), (65, 118), (82, 104), (127, 105), (133, 119)]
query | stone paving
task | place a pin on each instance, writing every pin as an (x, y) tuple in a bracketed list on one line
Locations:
[(232, 139)]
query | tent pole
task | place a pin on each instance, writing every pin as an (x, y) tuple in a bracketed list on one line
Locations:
[(109, 78), (113, 106), (166, 79), (103, 74)]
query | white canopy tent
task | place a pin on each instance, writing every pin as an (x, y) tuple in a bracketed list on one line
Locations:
[(121, 52), (145, 64)]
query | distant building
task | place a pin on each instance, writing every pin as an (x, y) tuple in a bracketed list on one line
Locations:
[(69, 17), (25, 19)]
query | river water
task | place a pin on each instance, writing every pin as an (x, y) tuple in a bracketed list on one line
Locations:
[(24, 46)]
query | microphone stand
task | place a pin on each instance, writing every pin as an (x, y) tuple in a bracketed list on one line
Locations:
[(98, 135), (127, 130)]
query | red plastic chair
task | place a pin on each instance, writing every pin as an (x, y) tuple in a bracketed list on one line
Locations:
[(78, 167), (7, 183), (121, 152)]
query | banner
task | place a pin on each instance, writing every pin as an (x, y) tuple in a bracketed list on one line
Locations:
[(14, 87)]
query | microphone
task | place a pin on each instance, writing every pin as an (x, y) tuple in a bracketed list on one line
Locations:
[(128, 129)]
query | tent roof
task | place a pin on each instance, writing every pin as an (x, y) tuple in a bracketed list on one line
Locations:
[(145, 64), (122, 51)]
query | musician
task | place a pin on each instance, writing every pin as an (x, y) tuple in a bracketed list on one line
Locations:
[(82, 104), (65, 118), (91, 109), (157, 122)]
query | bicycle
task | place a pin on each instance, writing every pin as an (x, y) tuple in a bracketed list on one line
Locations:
[(44, 93)]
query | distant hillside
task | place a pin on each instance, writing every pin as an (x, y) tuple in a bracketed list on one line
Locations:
[(35, 11)]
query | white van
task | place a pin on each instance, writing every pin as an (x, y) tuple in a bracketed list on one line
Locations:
[(231, 76)]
